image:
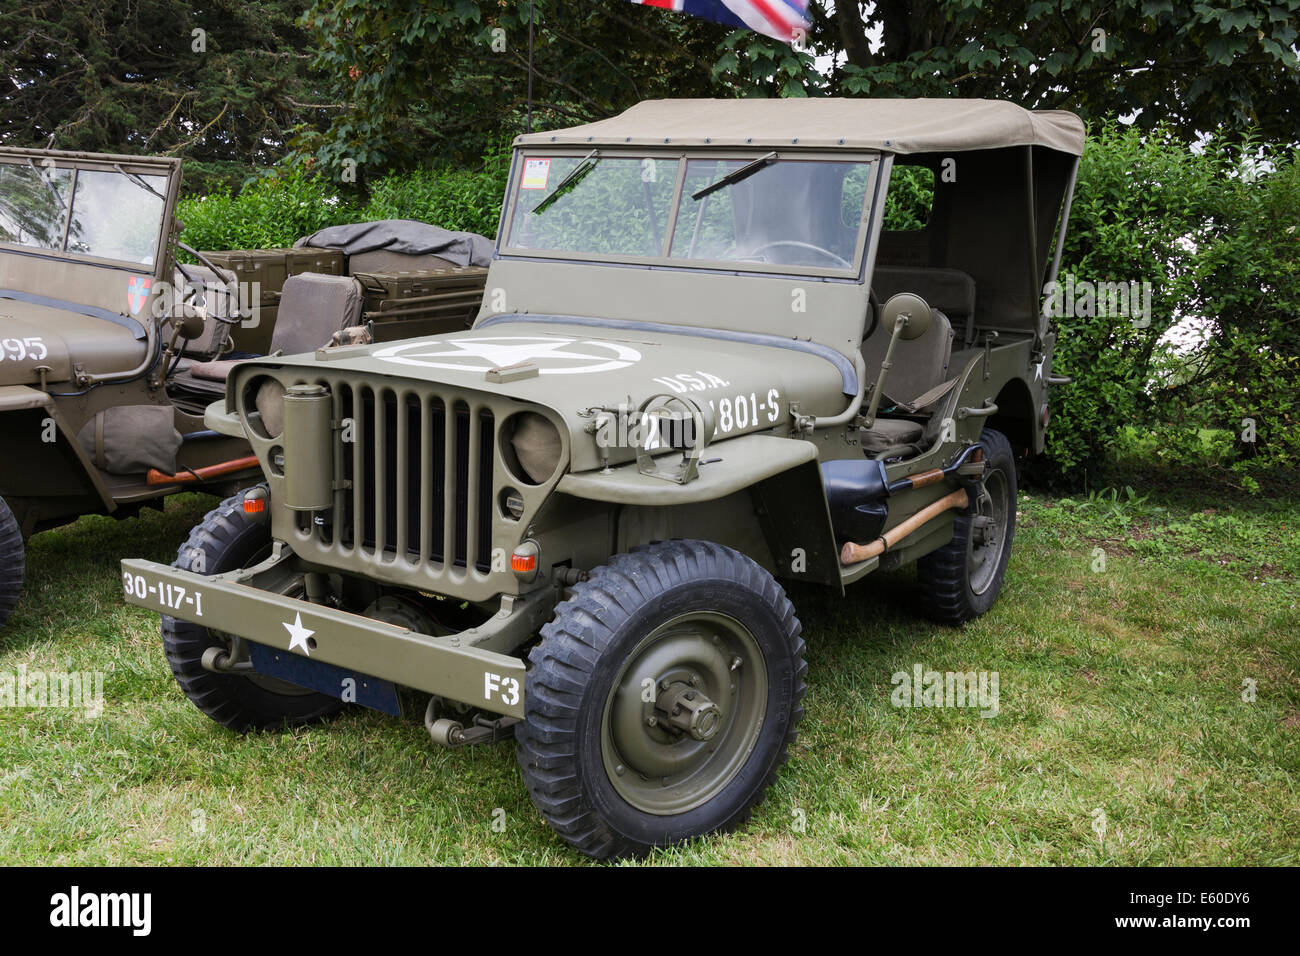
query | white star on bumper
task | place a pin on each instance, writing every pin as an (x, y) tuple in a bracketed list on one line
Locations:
[(298, 635)]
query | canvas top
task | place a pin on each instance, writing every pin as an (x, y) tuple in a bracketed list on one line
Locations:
[(890, 125)]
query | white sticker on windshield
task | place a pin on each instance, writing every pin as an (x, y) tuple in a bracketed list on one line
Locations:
[(536, 173)]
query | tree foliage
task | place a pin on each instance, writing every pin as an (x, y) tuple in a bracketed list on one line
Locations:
[(379, 85), (1192, 65), (133, 76), (446, 79)]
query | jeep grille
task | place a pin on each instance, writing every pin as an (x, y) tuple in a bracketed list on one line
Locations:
[(414, 481)]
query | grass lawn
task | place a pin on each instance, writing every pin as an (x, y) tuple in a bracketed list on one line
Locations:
[(1120, 703)]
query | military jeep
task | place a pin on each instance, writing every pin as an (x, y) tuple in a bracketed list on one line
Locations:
[(88, 336), (703, 365), (111, 348)]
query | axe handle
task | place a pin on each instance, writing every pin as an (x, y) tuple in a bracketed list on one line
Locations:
[(156, 477), (854, 553), (923, 479)]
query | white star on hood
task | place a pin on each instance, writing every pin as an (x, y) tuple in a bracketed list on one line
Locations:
[(479, 354)]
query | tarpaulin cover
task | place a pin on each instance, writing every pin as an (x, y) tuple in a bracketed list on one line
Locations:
[(406, 236)]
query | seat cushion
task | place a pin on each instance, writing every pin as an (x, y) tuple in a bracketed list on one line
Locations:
[(890, 433), (312, 308), (216, 371), (918, 365)]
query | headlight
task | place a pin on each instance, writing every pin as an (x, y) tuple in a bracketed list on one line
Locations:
[(535, 445), (268, 399)]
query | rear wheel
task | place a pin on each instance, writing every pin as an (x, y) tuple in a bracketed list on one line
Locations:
[(13, 562), (662, 699), (961, 580), (227, 540)]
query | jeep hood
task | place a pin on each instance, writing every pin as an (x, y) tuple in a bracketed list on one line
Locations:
[(36, 331), (571, 364)]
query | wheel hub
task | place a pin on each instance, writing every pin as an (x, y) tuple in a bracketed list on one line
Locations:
[(986, 532), (690, 711), (684, 713)]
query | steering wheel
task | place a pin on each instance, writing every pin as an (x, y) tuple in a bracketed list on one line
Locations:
[(803, 245)]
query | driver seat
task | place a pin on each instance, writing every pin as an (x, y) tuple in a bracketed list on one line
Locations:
[(312, 308), (914, 386)]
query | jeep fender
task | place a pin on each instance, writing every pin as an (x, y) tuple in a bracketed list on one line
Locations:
[(784, 487), (35, 467)]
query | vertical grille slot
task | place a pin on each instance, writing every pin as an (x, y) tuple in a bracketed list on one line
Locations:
[(481, 502)]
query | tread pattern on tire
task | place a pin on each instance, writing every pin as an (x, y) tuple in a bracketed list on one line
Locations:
[(217, 695), (13, 562), (547, 740), (942, 574)]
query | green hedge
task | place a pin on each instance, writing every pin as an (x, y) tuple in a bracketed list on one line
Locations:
[(1215, 236), (284, 206), (1214, 232)]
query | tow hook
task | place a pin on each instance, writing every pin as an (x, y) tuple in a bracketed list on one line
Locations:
[(221, 661)]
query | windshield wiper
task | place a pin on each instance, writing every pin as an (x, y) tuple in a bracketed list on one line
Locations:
[(735, 176), (576, 175), (48, 185), (139, 181)]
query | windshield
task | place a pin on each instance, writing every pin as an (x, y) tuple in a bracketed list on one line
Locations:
[(106, 214), (756, 211), (618, 206), (34, 205)]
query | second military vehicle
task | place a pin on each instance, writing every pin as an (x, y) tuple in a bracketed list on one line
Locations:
[(703, 365), (111, 348)]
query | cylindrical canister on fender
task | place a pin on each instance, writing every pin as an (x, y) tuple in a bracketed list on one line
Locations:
[(308, 465)]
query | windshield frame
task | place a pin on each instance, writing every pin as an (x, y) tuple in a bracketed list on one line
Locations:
[(74, 162), (683, 155)]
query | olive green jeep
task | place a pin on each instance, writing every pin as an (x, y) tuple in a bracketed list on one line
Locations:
[(111, 348), (703, 365), (90, 331)]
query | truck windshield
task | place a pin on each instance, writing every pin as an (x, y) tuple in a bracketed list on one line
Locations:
[(762, 211), (106, 214)]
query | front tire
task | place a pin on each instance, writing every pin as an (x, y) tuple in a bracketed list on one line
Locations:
[(962, 580), (662, 700), (227, 540), (13, 562)]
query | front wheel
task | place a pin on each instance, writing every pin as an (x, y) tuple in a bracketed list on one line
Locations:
[(227, 540), (13, 562), (961, 580), (662, 700)]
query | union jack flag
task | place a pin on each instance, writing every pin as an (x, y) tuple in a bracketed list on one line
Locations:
[(775, 18)]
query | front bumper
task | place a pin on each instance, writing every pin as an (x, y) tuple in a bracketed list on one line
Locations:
[(456, 666)]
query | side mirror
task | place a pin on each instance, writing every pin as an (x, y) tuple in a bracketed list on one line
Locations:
[(914, 312)]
